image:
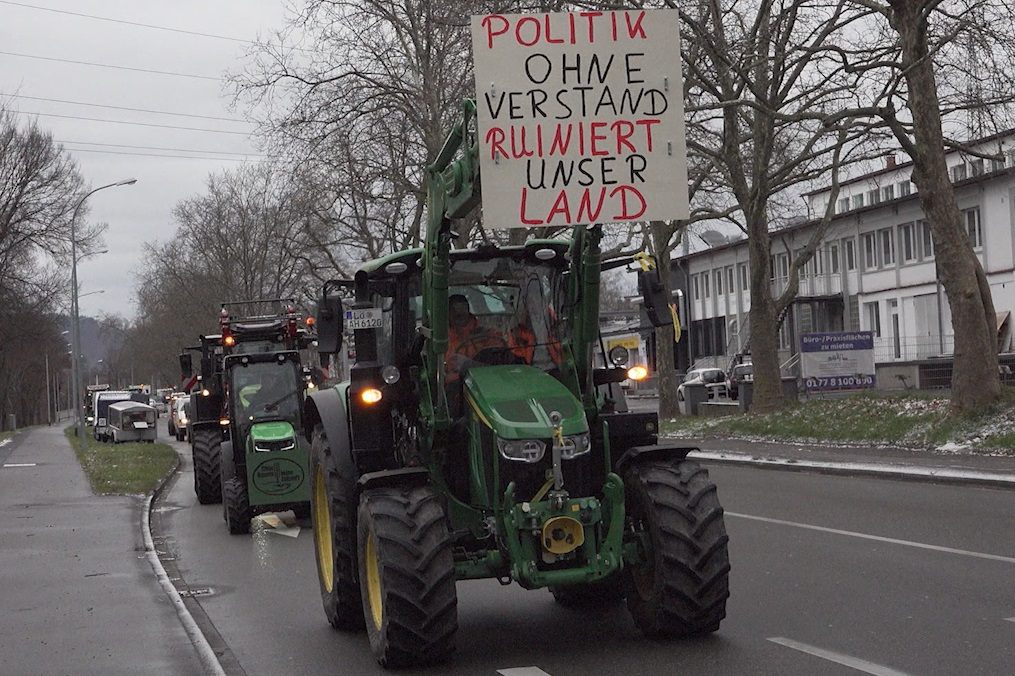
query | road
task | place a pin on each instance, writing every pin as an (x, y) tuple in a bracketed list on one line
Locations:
[(831, 575)]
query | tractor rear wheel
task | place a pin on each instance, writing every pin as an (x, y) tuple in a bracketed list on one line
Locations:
[(681, 587), (237, 506), (601, 594), (206, 447), (333, 517), (408, 576)]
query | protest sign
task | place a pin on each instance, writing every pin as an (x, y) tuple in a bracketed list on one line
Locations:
[(580, 117)]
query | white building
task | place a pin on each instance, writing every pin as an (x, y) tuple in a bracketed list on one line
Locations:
[(874, 270)]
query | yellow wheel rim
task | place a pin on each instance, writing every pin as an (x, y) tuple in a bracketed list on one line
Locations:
[(373, 581), (323, 531)]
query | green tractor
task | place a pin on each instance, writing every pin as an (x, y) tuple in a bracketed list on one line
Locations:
[(247, 414), (475, 438)]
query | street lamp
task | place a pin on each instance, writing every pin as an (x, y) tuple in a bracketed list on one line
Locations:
[(76, 326)]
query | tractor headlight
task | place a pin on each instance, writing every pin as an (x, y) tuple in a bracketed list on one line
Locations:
[(522, 450), (576, 445)]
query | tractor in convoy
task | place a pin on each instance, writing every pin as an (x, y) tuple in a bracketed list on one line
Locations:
[(245, 411), (476, 438)]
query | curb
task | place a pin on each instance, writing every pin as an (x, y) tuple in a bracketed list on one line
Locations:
[(880, 470), (209, 660)]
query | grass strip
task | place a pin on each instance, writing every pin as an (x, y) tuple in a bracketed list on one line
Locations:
[(912, 420), (131, 468)]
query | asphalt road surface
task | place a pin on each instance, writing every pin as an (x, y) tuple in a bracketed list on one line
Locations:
[(830, 575)]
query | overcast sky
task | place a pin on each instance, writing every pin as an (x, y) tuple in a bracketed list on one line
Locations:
[(141, 212)]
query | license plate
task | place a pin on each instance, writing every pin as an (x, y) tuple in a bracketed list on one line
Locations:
[(364, 318)]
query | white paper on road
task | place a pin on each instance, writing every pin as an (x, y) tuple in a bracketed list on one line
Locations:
[(281, 523)]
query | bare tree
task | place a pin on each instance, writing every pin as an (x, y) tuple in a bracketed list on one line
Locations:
[(927, 64)]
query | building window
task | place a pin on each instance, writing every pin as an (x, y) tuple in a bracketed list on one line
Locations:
[(849, 246), (886, 242), (704, 284), (959, 172), (1011, 158), (697, 287), (873, 315), (771, 267), (904, 189), (745, 283), (907, 233), (817, 263), (857, 201), (783, 261), (729, 280), (888, 193), (843, 205), (874, 197), (804, 270), (870, 251), (784, 335), (997, 165), (976, 167), (718, 282), (972, 220), (928, 240), (833, 258)]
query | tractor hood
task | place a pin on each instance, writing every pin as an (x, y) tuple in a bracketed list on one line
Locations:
[(516, 402), (271, 435)]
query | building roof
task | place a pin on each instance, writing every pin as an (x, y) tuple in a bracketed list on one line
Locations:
[(986, 176), (908, 163)]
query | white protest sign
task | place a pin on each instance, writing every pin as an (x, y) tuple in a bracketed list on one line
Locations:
[(580, 117)]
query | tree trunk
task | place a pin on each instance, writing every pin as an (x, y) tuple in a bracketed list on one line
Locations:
[(975, 378), (764, 331), (666, 368)]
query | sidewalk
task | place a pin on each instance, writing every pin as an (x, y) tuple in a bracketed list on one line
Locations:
[(77, 595), (886, 461)]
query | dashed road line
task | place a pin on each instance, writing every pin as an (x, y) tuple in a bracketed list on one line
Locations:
[(876, 538), (838, 658), (1009, 619), (20, 464), (522, 671)]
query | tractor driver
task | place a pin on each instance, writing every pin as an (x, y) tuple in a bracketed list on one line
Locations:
[(265, 398), (466, 338)]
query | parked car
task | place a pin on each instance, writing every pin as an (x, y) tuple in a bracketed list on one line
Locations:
[(178, 419), (741, 373), (707, 376), (131, 421)]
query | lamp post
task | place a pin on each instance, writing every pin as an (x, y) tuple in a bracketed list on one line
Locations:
[(76, 327)]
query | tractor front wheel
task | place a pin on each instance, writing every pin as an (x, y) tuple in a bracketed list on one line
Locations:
[(237, 506), (681, 585), (333, 517), (408, 576), (206, 447)]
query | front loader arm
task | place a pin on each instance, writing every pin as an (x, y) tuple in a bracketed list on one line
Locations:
[(453, 190)]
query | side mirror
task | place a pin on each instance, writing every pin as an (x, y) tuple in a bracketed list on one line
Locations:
[(657, 305), (186, 365), (330, 322)]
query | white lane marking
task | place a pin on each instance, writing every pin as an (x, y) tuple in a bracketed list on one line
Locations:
[(1009, 619), (876, 538), (523, 671), (859, 467), (4, 442), (205, 653), (838, 658), (19, 464)]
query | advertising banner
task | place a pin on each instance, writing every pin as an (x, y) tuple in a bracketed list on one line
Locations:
[(580, 117), (837, 361)]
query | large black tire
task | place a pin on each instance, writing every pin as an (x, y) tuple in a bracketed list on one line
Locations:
[(681, 589), (608, 592), (408, 576), (238, 512), (206, 448), (333, 518)]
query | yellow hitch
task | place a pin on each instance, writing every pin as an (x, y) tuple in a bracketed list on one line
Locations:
[(562, 535)]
